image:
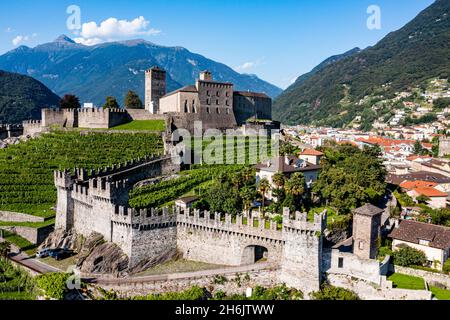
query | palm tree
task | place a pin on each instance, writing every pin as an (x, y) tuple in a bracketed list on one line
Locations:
[(295, 186), (248, 195), (278, 179), (237, 180), (263, 188), (5, 249)]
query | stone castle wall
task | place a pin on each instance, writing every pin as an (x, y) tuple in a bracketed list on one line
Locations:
[(84, 118), (10, 130), (301, 266), (207, 237)]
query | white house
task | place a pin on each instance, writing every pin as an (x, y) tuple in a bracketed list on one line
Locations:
[(432, 239)]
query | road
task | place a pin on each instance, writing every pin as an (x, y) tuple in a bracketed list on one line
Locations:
[(184, 275), (42, 268)]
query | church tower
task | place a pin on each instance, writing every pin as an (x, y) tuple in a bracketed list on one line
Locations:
[(155, 88)]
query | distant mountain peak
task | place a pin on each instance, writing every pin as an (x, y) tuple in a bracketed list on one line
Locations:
[(64, 38)]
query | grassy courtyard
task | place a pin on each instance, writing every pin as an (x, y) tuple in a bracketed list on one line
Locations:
[(143, 125), (440, 293), (403, 281), (178, 266)]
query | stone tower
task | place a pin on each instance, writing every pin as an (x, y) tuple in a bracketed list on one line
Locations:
[(366, 230), (155, 88), (206, 76), (64, 206), (301, 265)]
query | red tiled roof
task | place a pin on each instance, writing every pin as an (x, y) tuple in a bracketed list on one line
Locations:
[(417, 184), (311, 152), (430, 192)]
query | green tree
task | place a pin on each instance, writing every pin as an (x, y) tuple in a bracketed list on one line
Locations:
[(5, 249), (248, 195), (111, 103), (278, 179), (407, 256), (223, 198), (53, 285), (69, 101), (350, 177), (334, 293), (423, 199), (263, 188), (132, 101), (418, 148), (296, 188), (446, 266)]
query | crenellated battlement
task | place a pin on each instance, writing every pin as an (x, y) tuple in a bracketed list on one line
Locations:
[(241, 223), (298, 221), (102, 187), (63, 179), (32, 122), (144, 219)]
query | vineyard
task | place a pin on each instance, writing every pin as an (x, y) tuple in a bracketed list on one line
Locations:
[(163, 193), (26, 169), (196, 179)]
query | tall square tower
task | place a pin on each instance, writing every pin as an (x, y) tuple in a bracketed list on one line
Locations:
[(155, 88), (366, 230)]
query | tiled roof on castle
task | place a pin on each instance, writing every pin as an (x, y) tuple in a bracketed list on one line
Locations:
[(369, 210)]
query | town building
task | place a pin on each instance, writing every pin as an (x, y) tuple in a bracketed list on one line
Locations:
[(433, 240), (287, 165)]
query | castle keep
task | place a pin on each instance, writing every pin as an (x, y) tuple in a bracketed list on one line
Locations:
[(213, 103)]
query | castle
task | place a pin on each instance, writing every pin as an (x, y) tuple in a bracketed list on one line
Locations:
[(213, 103), (97, 201)]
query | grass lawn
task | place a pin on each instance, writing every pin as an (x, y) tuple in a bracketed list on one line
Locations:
[(28, 224), (62, 265), (20, 242), (150, 125), (16, 295), (440, 294), (179, 266), (403, 281)]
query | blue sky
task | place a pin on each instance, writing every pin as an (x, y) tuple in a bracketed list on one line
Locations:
[(276, 39)]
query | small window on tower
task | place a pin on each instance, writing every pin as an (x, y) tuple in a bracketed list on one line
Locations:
[(207, 110), (340, 262), (217, 101), (218, 111), (207, 93), (361, 245), (208, 102)]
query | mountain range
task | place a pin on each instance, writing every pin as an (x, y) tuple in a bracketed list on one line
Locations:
[(22, 98), (111, 69), (402, 60)]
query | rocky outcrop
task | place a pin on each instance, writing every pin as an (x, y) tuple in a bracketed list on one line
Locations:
[(63, 239), (106, 258)]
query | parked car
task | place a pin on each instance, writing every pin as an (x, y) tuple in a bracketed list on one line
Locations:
[(61, 254), (44, 253)]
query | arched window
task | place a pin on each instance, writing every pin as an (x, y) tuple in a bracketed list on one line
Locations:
[(217, 110), (227, 103), (207, 110), (217, 101), (218, 93), (207, 93), (228, 111), (193, 107), (208, 102), (186, 109)]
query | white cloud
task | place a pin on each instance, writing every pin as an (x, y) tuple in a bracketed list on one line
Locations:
[(249, 65), (19, 39), (113, 29)]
